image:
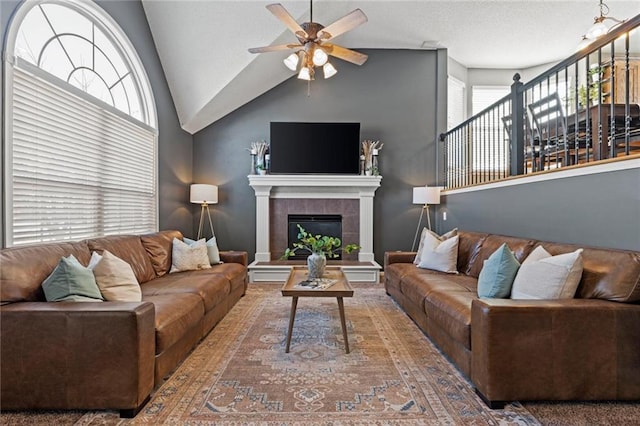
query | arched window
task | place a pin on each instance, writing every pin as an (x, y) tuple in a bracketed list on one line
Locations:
[(81, 138)]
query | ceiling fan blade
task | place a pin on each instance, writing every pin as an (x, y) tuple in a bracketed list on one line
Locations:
[(281, 13), (273, 48), (345, 54), (342, 25)]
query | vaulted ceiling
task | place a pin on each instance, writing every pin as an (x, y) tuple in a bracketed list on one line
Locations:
[(203, 44)]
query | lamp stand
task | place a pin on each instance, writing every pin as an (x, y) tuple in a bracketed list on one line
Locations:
[(203, 207), (415, 237)]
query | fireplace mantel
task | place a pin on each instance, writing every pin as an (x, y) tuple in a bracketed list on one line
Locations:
[(358, 187)]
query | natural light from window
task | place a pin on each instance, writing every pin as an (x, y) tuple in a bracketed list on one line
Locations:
[(68, 45)]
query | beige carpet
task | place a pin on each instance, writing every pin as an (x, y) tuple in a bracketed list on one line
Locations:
[(240, 374)]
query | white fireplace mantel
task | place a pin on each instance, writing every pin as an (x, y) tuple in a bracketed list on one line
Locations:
[(358, 187)]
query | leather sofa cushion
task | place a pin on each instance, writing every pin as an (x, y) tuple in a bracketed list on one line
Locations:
[(23, 269), (451, 311), (469, 244), (234, 272), (128, 248), (419, 285), (607, 274), (394, 272), (176, 314), (519, 246), (211, 288), (158, 246)]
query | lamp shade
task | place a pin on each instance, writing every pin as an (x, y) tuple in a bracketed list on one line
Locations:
[(203, 193), (426, 195)]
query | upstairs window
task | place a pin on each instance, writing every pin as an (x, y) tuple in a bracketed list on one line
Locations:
[(80, 156)]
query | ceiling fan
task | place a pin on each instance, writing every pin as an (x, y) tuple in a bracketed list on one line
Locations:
[(313, 48)]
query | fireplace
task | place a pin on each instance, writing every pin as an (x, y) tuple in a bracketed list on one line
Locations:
[(329, 225), (278, 196)]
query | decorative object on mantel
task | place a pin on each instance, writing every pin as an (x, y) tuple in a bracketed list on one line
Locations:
[(424, 195), (313, 49), (370, 151), (204, 195), (320, 247), (259, 157)]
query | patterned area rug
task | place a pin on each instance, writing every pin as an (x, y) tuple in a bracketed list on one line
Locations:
[(240, 374)]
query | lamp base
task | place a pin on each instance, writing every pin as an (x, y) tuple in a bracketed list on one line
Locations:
[(203, 207), (415, 237)]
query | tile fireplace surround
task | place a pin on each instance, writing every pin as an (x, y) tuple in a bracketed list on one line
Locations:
[(283, 194)]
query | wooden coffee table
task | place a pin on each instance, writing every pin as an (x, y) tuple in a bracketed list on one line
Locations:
[(339, 289)]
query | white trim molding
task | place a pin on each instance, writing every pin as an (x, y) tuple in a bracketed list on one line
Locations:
[(358, 187)]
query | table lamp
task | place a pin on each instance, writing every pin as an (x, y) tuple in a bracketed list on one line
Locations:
[(424, 195), (204, 195)]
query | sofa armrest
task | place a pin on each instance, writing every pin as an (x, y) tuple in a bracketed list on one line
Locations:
[(240, 257), (398, 257), (575, 349), (77, 355)]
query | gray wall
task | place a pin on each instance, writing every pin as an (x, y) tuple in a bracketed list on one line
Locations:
[(393, 95), (174, 144), (601, 210)]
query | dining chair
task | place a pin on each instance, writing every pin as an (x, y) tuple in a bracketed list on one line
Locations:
[(619, 136), (560, 143), (531, 142)]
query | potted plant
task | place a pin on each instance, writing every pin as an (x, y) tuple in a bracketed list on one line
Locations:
[(321, 247)]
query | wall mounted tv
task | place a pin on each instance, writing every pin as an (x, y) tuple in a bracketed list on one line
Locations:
[(315, 148)]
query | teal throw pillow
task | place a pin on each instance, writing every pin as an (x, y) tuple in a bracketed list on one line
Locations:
[(70, 281), (497, 274)]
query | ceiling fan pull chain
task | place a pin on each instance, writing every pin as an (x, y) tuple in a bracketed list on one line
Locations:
[(308, 88)]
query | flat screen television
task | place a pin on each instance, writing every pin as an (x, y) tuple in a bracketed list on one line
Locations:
[(314, 148)]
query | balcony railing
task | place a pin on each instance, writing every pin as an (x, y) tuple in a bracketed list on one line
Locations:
[(584, 109)]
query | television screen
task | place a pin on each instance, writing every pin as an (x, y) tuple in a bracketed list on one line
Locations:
[(315, 148)]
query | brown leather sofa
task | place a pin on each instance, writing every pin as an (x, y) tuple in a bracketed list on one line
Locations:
[(586, 348), (109, 355)]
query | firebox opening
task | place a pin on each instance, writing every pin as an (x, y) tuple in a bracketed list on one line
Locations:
[(323, 224)]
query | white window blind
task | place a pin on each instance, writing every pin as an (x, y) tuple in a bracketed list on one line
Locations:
[(455, 102), (484, 96), (490, 148), (78, 169)]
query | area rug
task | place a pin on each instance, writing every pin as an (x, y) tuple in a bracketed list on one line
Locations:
[(241, 375)]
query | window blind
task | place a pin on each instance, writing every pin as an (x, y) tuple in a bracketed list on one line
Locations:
[(491, 150), (77, 169), (455, 102)]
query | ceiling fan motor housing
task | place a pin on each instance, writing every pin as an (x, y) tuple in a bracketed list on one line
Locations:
[(312, 29)]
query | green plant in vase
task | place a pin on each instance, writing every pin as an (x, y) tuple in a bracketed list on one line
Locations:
[(320, 248)]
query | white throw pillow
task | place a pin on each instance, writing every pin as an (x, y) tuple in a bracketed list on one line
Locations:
[(115, 278), (440, 255), (442, 237), (189, 257), (542, 276), (212, 250)]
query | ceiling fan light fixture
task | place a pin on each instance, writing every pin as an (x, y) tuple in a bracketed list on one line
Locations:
[(292, 61), (305, 74), (320, 57), (329, 70)]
